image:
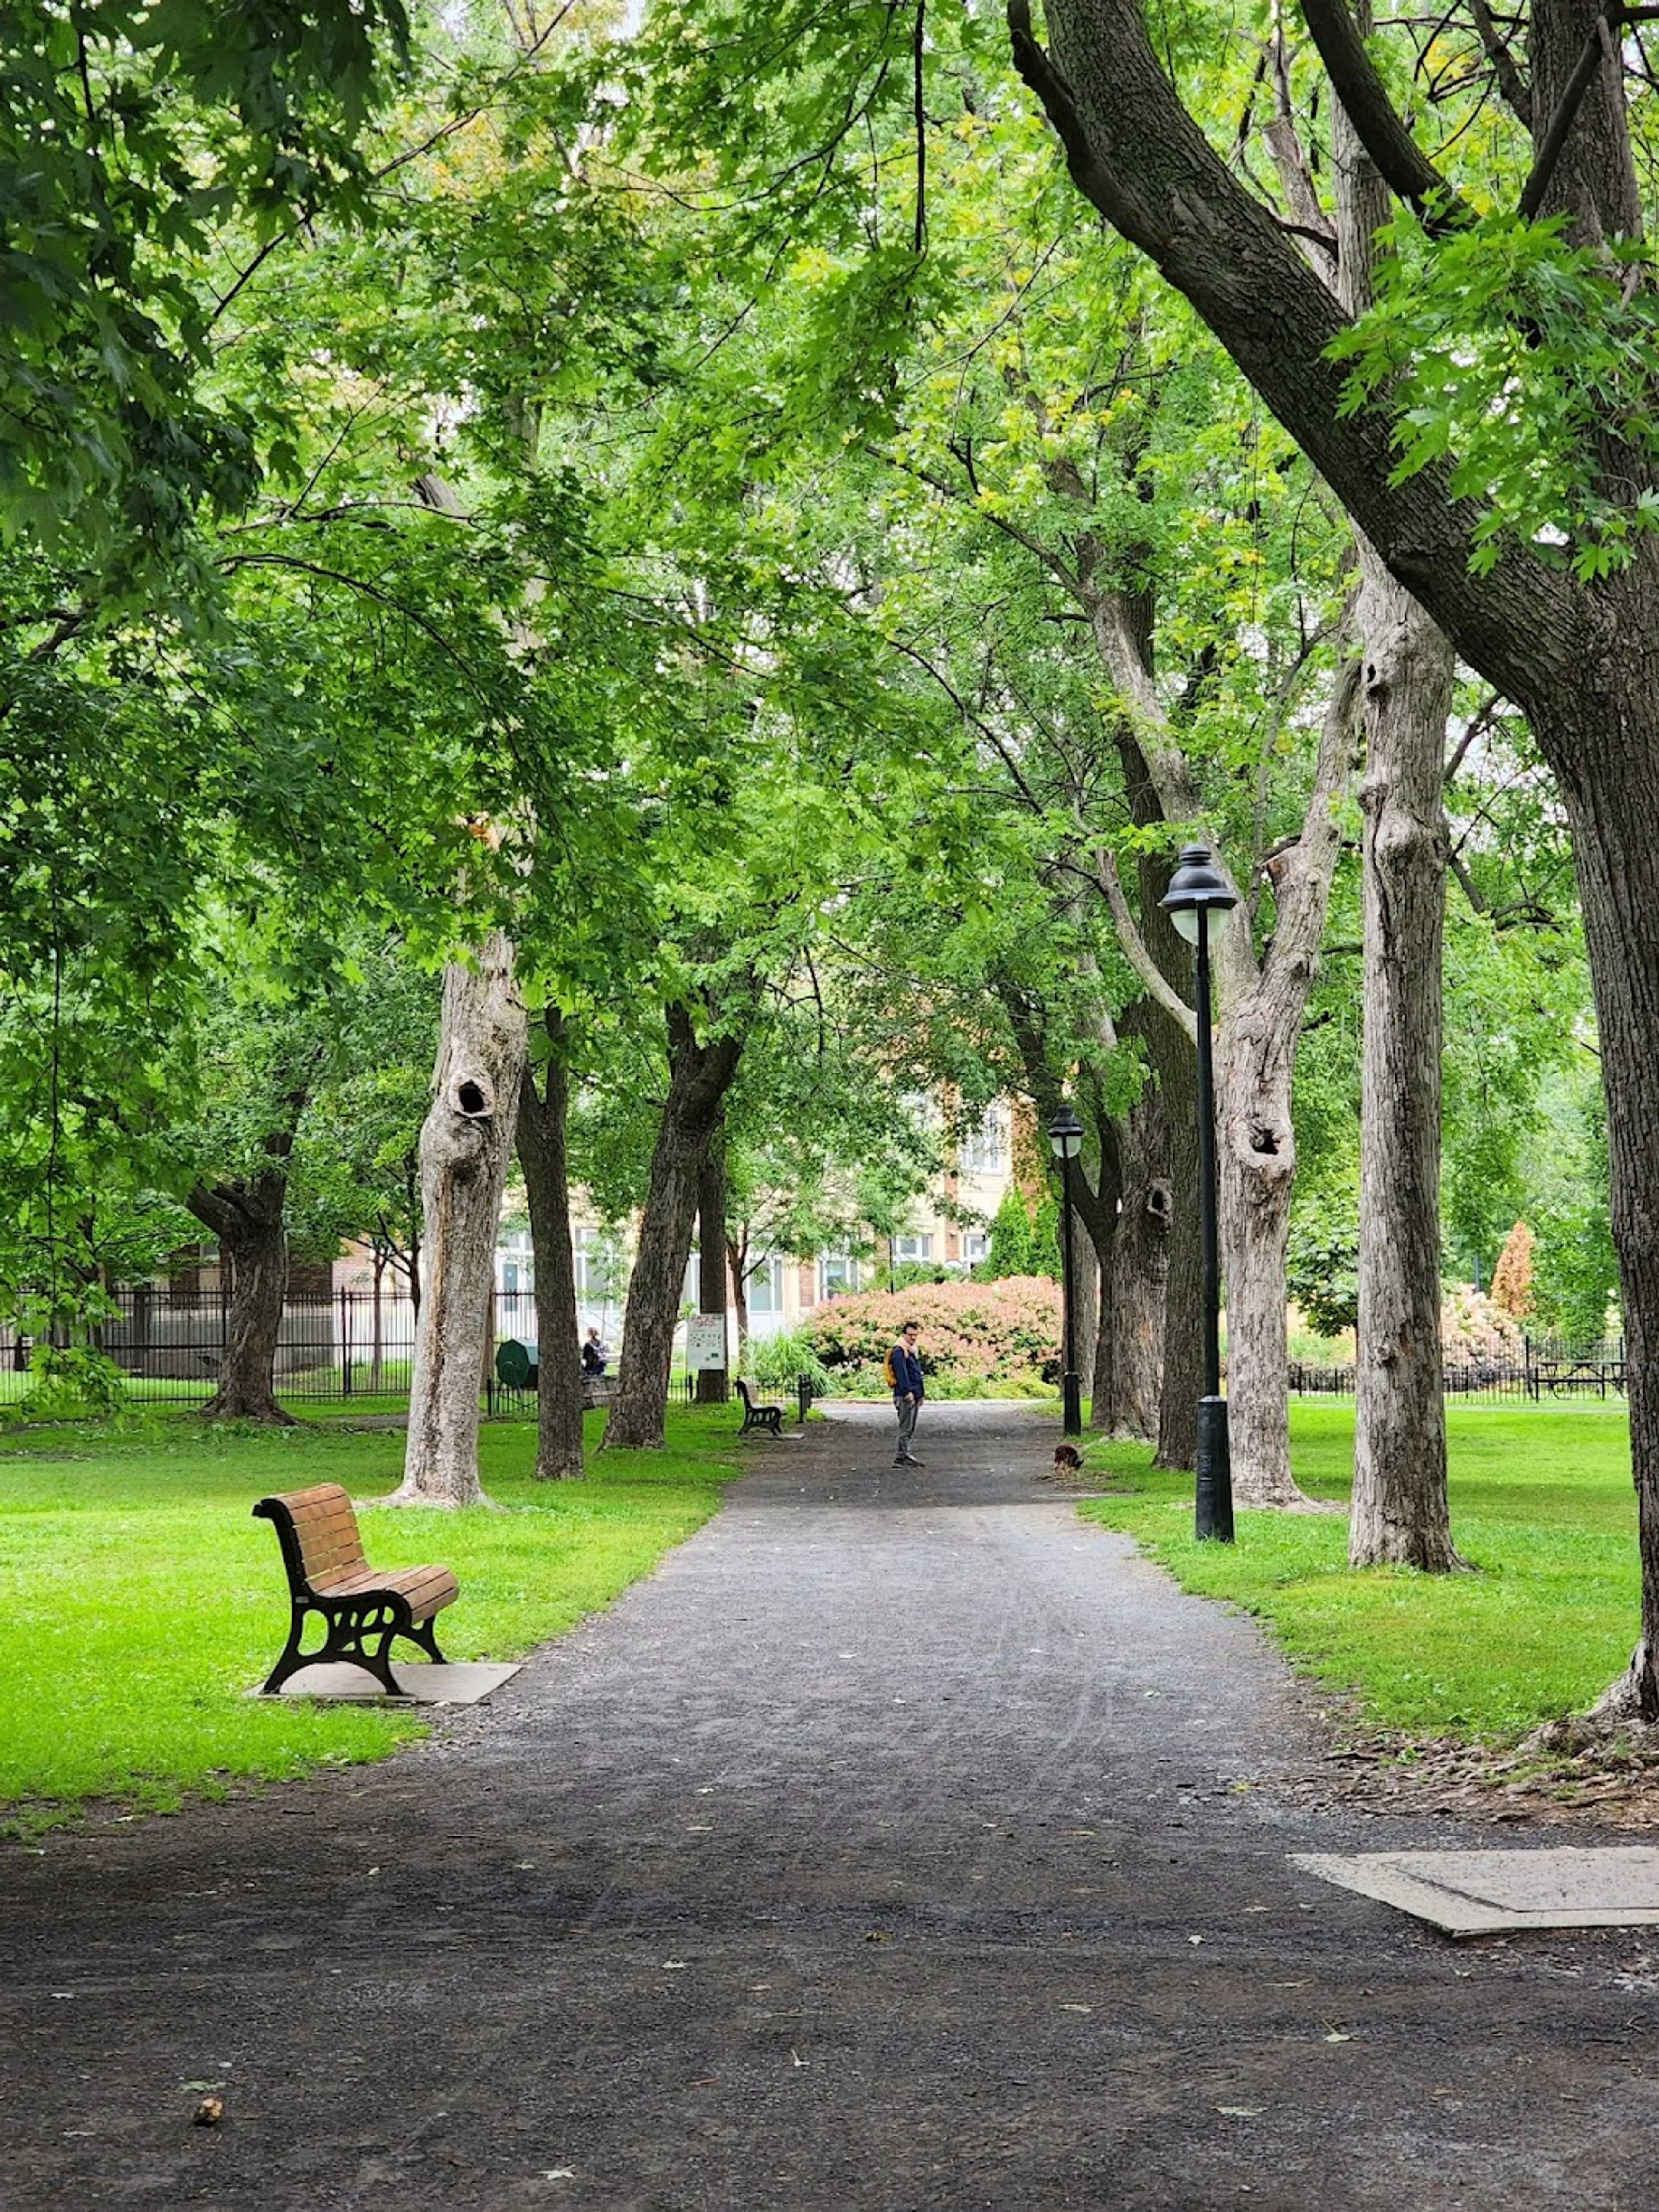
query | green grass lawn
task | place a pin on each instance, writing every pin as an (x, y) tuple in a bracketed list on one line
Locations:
[(1543, 1509), (141, 1599)]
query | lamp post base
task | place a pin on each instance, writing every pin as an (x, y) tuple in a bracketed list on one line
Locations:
[(1071, 1396), (1214, 1488)]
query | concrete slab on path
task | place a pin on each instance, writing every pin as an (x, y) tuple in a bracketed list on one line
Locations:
[(1493, 1892), (461, 1682)]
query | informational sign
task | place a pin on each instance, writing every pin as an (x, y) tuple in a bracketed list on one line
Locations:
[(705, 1341)]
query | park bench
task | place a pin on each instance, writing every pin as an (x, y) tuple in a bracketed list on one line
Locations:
[(1597, 1372), (363, 1609), (770, 1417)]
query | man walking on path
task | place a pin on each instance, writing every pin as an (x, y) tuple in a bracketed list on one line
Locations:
[(905, 1378)]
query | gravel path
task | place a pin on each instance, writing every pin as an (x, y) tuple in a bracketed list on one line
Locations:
[(903, 1841)]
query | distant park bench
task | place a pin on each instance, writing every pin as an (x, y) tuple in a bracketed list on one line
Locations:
[(770, 1417), (362, 1609), (1560, 1376)]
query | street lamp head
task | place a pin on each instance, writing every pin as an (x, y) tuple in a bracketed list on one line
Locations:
[(1066, 1134), (1197, 886)]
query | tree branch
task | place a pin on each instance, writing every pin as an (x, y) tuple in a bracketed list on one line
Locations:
[(1400, 162), (1139, 155), (1157, 984), (1517, 94)]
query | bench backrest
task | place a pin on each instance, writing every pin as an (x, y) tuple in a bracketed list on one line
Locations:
[(742, 1388), (318, 1532)]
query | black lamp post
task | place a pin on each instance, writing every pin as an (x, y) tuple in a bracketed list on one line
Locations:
[(1198, 889), (1065, 1137)]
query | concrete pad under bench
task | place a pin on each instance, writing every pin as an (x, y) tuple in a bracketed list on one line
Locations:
[(464, 1682), (1494, 1893)]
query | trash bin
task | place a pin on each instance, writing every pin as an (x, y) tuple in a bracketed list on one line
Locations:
[(516, 1364)]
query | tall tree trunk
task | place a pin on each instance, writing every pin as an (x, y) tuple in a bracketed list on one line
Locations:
[(1084, 1287), (246, 1216), (542, 1155), (466, 1141), (1615, 811), (712, 1383), (377, 1350), (699, 1077), (1182, 1352), (1140, 1259), (1399, 1511), (1103, 1368), (736, 1259), (1257, 1147)]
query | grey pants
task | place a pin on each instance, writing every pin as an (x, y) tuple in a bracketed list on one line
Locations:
[(906, 1412)]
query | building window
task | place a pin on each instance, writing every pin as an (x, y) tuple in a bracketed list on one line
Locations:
[(509, 1276), (837, 1273), (975, 1246), (912, 1248), (766, 1288), (598, 1265), (985, 1150)]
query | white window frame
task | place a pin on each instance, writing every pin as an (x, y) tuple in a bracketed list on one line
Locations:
[(985, 1150)]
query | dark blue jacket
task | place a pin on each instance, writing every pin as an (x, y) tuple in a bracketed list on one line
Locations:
[(907, 1371)]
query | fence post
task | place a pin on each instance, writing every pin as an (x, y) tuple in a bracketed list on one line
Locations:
[(345, 1343)]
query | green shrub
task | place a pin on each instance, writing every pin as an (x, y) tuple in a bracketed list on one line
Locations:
[(779, 1361), (977, 1338)]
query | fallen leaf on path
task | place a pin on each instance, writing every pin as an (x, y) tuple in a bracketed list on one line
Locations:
[(1242, 2112), (1077, 2007), (208, 2113)]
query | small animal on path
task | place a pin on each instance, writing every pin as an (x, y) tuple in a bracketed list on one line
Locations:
[(1068, 1459)]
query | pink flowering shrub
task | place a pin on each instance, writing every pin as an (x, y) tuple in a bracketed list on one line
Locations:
[(1475, 1333), (978, 1339)]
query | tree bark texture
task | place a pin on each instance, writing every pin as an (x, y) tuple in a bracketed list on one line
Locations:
[(1399, 1513), (1176, 1065), (1085, 1289), (245, 1216), (1256, 1147), (712, 1385), (466, 1141), (544, 1159), (1604, 755), (1140, 1259), (1141, 1266), (700, 1076)]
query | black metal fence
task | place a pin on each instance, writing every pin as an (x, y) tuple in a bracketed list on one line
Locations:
[(1548, 1368), (346, 1344), (360, 1344)]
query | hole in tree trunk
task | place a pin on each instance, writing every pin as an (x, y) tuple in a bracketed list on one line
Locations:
[(1263, 1140), (472, 1097)]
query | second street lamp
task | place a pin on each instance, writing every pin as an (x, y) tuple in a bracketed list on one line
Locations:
[(1198, 889), (1066, 1139)]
